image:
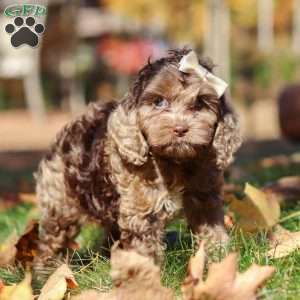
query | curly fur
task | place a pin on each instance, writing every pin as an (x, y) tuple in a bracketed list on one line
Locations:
[(126, 166)]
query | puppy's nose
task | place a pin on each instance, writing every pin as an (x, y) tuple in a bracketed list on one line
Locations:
[(181, 130)]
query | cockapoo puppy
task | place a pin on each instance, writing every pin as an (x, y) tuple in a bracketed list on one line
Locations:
[(133, 165)]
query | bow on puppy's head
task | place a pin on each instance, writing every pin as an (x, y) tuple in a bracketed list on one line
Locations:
[(175, 109), (190, 64)]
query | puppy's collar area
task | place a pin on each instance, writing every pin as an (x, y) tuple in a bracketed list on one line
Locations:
[(190, 64)]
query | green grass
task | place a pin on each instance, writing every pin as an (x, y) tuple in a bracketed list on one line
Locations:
[(92, 270)]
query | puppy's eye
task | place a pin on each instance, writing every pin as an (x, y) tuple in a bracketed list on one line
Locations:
[(200, 103), (161, 102)]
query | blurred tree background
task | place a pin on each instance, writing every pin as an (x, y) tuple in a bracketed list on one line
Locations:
[(91, 50)]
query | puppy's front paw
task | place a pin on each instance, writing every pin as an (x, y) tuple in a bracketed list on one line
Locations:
[(216, 240)]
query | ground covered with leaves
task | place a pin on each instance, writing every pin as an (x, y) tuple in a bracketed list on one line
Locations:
[(274, 229)]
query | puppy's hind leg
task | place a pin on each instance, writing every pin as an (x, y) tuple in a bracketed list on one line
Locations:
[(112, 234), (60, 215)]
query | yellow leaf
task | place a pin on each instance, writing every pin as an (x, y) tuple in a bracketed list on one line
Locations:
[(21, 248), (256, 211), (21, 291), (57, 284), (283, 242), (269, 208), (8, 250), (223, 281), (135, 277)]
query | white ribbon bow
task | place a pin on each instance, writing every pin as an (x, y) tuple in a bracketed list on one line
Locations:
[(189, 64)]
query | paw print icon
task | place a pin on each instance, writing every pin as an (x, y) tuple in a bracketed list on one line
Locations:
[(24, 32)]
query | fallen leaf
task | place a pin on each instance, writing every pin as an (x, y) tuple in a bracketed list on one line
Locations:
[(8, 250), (21, 248), (28, 244), (256, 211), (136, 277), (223, 282), (21, 291), (57, 284), (24, 248), (283, 242)]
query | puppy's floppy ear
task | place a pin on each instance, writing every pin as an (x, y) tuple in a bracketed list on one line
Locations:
[(227, 138), (124, 129)]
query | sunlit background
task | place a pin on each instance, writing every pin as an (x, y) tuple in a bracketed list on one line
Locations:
[(91, 50)]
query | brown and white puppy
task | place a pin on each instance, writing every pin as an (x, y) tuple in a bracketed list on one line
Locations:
[(132, 166)]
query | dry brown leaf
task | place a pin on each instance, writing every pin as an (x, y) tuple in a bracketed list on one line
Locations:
[(256, 211), (24, 248), (21, 248), (135, 277), (28, 244), (57, 284), (21, 291), (223, 281), (283, 242)]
